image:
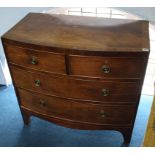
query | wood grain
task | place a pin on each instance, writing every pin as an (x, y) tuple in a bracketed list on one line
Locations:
[(77, 111), (48, 62), (70, 52), (76, 88), (124, 67), (82, 33)]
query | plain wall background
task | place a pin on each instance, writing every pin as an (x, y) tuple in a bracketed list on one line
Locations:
[(147, 13)]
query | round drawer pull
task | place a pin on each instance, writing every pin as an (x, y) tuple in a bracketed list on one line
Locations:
[(105, 92), (43, 103), (105, 69), (102, 113), (37, 83), (34, 60)]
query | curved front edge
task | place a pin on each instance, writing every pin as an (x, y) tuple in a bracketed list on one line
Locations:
[(126, 130)]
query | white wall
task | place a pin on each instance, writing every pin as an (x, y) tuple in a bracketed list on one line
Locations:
[(143, 12), (9, 17)]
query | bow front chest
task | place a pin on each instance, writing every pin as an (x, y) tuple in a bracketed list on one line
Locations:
[(79, 72)]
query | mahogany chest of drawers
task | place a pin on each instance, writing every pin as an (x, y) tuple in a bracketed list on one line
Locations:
[(79, 72)]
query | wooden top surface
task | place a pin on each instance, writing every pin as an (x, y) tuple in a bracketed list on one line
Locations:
[(82, 33)]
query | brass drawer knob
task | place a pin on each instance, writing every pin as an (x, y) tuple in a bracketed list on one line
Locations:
[(37, 83), (43, 103), (34, 60), (102, 113), (105, 69), (105, 92)]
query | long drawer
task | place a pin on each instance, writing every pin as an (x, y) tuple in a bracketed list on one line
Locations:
[(104, 91), (107, 67), (67, 109), (33, 59)]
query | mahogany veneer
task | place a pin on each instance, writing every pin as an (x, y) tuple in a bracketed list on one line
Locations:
[(79, 72)]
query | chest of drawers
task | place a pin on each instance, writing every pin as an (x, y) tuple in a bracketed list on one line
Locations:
[(79, 72)]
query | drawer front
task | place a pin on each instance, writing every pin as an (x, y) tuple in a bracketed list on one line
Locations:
[(76, 88), (107, 67), (67, 109), (37, 60)]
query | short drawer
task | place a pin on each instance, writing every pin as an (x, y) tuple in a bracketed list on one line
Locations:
[(44, 61), (77, 111), (64, 86), (107, 67)]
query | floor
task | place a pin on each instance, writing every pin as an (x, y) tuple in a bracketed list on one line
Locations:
[(41, 133)]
